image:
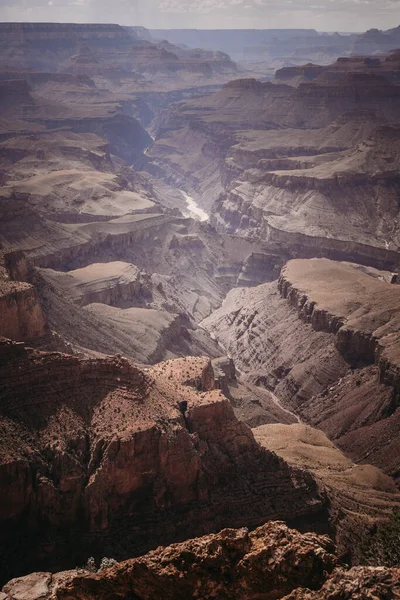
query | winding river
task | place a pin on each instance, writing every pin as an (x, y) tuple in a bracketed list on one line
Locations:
[(194, 209)]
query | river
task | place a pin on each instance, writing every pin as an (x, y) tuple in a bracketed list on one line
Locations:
[(194, 209)]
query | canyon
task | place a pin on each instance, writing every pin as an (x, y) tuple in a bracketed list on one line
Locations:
[(199, 312)]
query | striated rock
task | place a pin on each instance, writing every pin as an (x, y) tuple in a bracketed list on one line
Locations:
[(359, 494), (123, 459), (107, 51), (21, 314), (265, 563), (361, 310), (113, 283), (330, 354), (271, 347), (303, 169)]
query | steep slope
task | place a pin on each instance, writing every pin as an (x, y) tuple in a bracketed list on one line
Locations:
[(312, 169), (123, 459), (326, 342), (359, 494)]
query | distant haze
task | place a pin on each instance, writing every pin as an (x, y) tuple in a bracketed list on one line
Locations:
[(323, 15)]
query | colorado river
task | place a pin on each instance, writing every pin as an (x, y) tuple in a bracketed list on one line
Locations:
[(194, 209)]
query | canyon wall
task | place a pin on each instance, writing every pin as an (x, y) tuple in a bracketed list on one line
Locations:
[(324, 341), (125, 459), (21, 314)]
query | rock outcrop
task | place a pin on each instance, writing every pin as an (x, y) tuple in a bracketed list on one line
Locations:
[(265, 563), (270, 562), (356, 584), (326, 343), (21, 314), (125, 459)]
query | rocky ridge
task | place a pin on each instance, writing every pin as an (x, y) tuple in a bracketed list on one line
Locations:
[(124, 459), (266, 563), (230, 564), (311, 169), (21, 314), (344, 317)]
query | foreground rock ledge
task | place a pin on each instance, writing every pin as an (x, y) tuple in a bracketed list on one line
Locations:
[(104, 458), (265, 564)]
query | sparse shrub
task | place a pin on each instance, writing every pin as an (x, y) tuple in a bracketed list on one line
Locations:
[(107, 562), (358, 382), (381, 546), (91, 565), (104, 564)]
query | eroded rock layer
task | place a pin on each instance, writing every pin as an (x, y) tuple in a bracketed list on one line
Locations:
[(325, 340), (123, 459)]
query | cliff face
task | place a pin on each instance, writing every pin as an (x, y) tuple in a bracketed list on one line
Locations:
[(127, 459), (326, 343), (106, 51), (304, 167), (23, 43), (21, 314)]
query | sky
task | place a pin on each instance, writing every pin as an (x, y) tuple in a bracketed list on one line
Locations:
[(323, 15)]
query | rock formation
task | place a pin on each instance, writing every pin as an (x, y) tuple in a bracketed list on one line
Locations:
[(343, 316), (148, 210), (358, 583), (267, 563), (21, 314), (230, 564), (303, 169), (131, 458)]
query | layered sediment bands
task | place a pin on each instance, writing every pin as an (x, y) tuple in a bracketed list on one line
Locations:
[(114, 283), (100, 240), (241, 216), (313, 169), (360, 411), (270, 346), (332, 202), (267, 562), (361, 415), (362, 311), (113, 55), (21, 314), (123, 460), (345, 317), (358, 493)]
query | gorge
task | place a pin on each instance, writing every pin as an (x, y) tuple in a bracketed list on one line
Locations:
[(199, 313)]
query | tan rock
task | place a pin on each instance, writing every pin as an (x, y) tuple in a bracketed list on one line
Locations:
[(31, 587)]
